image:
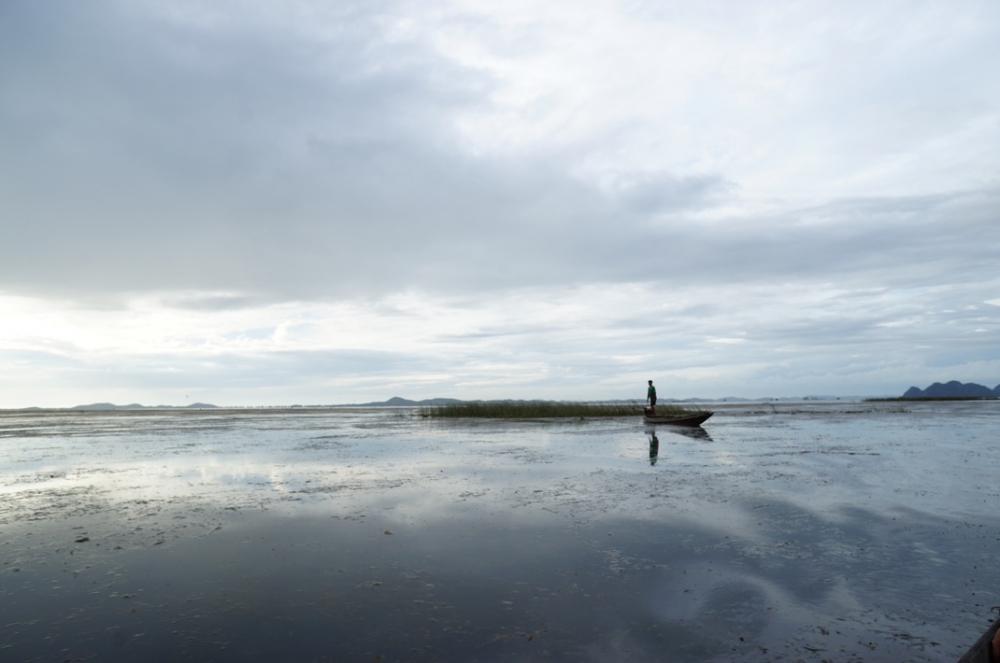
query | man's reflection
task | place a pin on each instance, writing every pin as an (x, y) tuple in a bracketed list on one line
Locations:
[(654, 447)]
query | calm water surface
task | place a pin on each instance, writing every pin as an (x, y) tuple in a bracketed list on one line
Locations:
[(813, 532)]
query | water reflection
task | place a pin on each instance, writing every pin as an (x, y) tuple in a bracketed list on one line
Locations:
[(478, 585), (695, 433), (365, 536)]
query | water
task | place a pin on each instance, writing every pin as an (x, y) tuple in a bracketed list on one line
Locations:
[(815, 532)]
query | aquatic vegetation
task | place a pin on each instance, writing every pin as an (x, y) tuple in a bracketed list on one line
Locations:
[(544, 410)]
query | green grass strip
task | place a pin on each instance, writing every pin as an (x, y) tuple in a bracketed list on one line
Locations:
[(543, 410)]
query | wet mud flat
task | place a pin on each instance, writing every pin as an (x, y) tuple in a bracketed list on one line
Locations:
[(821, 532)]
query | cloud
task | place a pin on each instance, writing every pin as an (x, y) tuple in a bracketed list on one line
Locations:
[(652, 193), (205, 301), (821, 181), (154, 150), (584, 342)]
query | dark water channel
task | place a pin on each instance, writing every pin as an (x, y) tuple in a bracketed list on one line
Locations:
[(824, 533)]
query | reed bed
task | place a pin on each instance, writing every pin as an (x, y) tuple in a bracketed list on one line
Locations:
[(543, 410)]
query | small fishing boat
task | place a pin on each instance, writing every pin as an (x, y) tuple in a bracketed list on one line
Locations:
[(986, 648), (683, 419)]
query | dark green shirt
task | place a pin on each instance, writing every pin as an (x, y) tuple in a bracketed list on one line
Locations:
[(651, 391)]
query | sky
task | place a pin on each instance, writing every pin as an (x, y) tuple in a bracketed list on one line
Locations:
[(253, 203)]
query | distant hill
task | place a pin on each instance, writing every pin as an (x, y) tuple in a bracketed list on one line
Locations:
[(396, 401), (137, 406), (953, 389)]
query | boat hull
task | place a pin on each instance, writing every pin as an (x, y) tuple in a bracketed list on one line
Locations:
[(679, 420), (984, 649)]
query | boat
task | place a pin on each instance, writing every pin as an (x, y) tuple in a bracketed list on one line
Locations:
[(684, 419), (987, 648)]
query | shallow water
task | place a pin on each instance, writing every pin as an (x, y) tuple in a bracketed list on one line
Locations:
[(839, 531)]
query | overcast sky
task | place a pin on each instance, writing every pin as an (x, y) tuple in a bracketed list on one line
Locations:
[(328, 202)]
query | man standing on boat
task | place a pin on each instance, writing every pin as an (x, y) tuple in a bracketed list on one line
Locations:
[(651, 397)]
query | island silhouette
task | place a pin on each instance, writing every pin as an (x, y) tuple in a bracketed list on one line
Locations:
[(953, 389)]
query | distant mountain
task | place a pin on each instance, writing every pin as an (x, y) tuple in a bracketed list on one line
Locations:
[(137, 406), (396, 401), (953, 389)]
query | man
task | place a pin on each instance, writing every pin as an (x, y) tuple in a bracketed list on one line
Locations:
[(651, 397)]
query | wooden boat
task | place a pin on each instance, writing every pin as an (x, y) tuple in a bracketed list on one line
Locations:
[(686, 419), (987, 648)]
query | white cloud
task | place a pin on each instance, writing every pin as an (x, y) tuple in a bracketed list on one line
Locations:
[(495, 196), (580, 342)]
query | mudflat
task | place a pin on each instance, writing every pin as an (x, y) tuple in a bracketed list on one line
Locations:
[(820, 531)]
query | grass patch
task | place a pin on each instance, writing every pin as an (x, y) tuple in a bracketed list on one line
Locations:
[(543, 410)]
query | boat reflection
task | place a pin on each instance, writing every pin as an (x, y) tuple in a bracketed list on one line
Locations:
[(695, 433)]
